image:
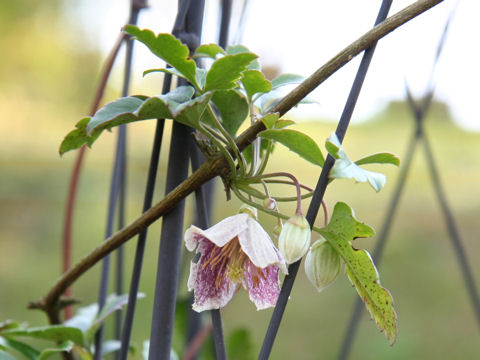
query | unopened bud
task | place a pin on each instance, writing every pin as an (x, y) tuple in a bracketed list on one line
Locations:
[(270, 204), (247, 209), (294, 239), (322, 265)]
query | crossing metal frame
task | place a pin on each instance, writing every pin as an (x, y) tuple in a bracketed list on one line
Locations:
[(188, 27)]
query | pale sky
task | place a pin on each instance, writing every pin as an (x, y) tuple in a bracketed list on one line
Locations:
[(299, 38)]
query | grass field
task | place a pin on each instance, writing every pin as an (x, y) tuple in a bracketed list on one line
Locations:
[(419, 267)]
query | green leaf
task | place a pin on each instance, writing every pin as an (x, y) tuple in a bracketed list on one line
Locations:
[(169, 49), (9, 324), (238, 49), (83, 318), (345, 168), (233, 108), (171, 71), (113, 303), (240, 345), (270, 120), (190, 112), (24, 349), (341, 230), (78, 137), (286, 79), (209, 50), (227, 70), (58, 333), (283, 123), (123, 111), (110, 346), (254, 82), (5, 356), (297, 142), (64, 346), (380, 158)]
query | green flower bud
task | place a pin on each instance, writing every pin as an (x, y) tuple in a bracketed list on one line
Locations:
[(322, 265), (294, 239), (247, 209), (269, 204)]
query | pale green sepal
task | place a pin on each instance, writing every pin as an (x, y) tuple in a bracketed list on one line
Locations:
[(294, 239), (322, 265)]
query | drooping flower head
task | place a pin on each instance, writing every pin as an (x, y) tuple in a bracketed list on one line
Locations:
[(235, 252)]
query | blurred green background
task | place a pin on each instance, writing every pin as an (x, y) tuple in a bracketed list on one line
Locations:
[(46, 85)]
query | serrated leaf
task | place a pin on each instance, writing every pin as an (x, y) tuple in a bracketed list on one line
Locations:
[(286, 79), (189, 113), (255, 82), (270, 120), (64, 346), (78, 137), (209, 50), (227, 70), (380, 158), (58, 333), (344, 168), (169, 49), (233, 108), (341, 230), (297, 142), (123, 111), (238, 49), (240, 345)]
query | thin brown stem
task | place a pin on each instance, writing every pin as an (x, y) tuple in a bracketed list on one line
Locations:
[(218, 165)]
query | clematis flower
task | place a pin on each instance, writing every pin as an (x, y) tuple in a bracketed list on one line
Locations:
[(235, 252)]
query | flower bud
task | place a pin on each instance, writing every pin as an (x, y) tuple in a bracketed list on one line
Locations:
[(322, 265), (247, 209), (294, 239), (269, 203)]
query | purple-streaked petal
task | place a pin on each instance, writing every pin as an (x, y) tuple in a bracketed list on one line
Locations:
[(258, 246), (219, 234), (203, 282), (265, 294)]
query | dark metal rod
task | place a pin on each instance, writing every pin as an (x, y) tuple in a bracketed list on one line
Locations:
[(118, 190), (169, 252), (320, 189), (225, 23), (168, 267), (453, 231), (140, 250), (112, 202), (380, 245)]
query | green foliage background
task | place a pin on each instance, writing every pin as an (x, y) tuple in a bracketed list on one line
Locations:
[(46, 86)]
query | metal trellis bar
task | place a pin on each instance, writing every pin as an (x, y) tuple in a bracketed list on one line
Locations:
[(321, 187)]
